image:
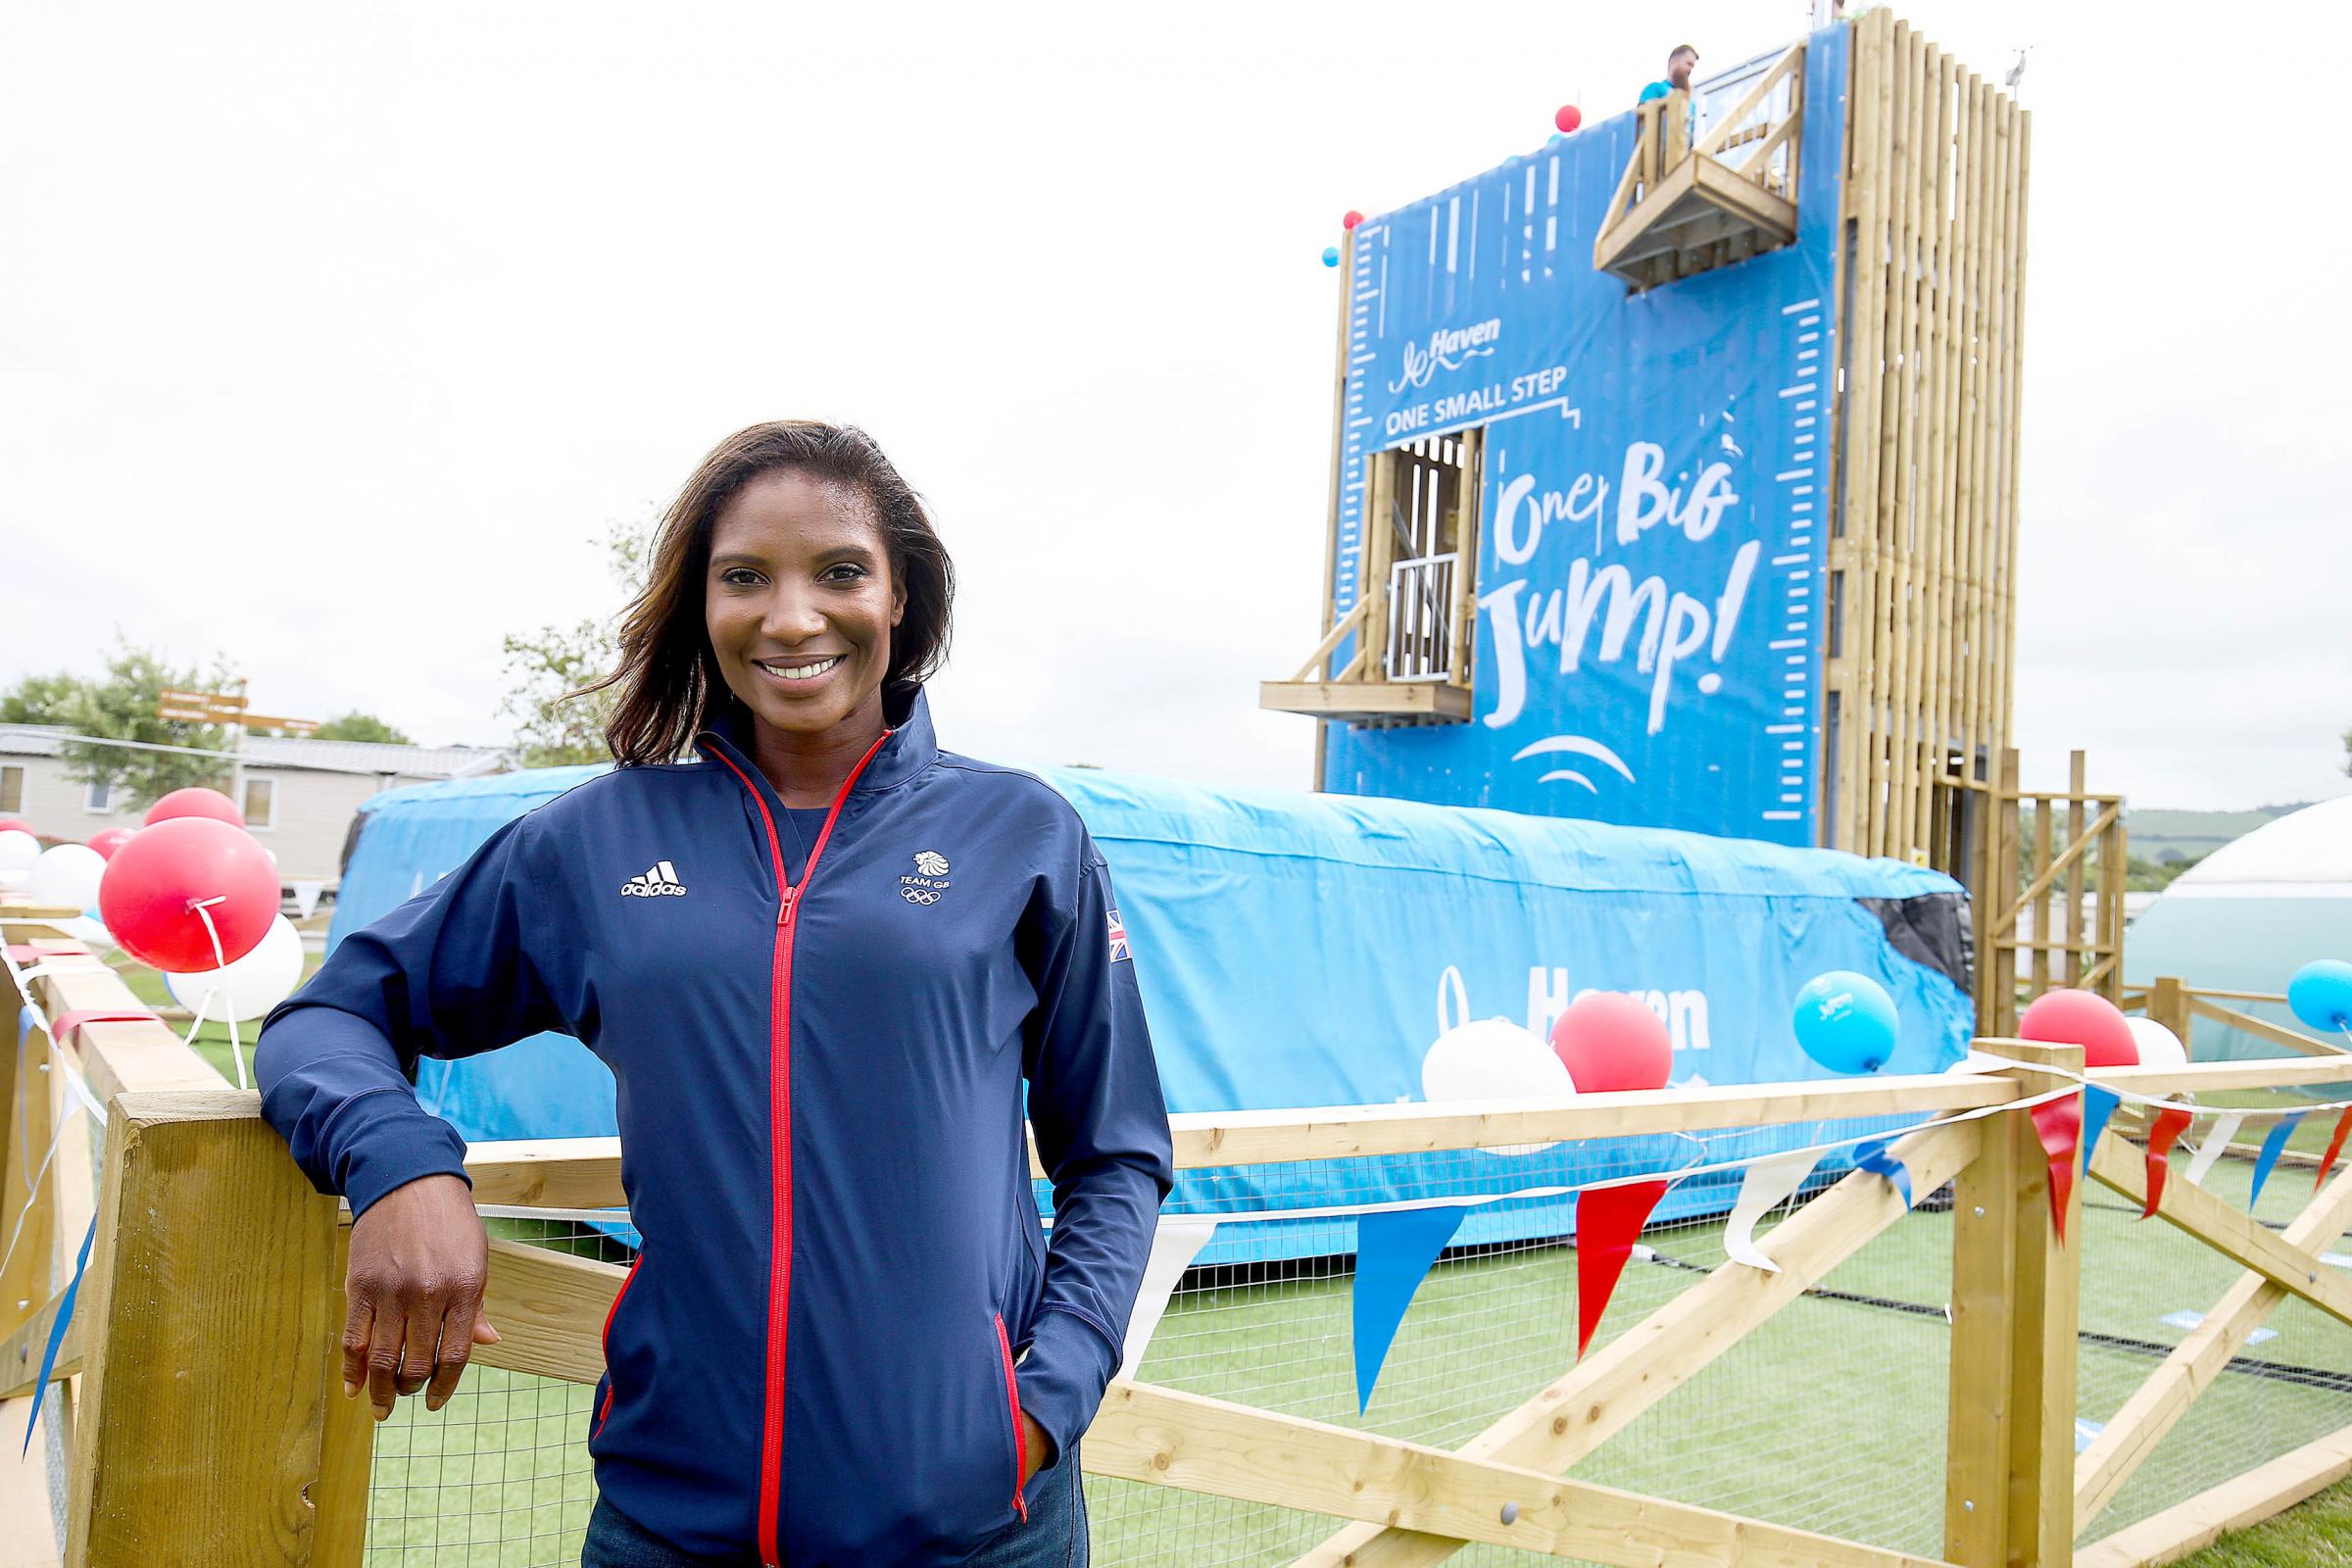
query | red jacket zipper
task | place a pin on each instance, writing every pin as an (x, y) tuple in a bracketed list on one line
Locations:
[(1020, 1437), (604, 1336), (780, 1128)]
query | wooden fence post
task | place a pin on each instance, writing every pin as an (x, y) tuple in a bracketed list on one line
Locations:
[(2168, 1005), (208, 1339), (2009, 1489)]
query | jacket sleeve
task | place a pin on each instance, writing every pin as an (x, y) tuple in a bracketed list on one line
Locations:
[(1101, 1131), (446, 974)]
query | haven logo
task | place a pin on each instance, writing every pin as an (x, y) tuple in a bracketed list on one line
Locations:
[(1448, 346), (929, 881)]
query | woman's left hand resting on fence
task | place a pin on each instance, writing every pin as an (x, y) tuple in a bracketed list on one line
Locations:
[(419, 1261)]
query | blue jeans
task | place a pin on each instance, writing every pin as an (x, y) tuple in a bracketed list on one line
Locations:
[(1053, 1535)]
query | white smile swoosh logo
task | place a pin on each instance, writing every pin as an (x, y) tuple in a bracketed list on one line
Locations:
[(1574, 746)]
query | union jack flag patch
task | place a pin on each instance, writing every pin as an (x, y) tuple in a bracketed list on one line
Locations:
[(1118, 937)]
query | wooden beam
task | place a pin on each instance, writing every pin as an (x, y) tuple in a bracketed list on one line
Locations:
[(549, 1306), (2046, 875), (123, 1057), (2235, 1504), (1331, 640), (547, 1172), (1757, 96), (1619, 236), (2274, 1072), (1629, 1374), (20, 1352), (1749, 201), (1171, 1438), (2264, 1029), (2235, 1236), (2211, 995), (585, 1172), (1645, 127), (1375, 698), (2157, 1405)]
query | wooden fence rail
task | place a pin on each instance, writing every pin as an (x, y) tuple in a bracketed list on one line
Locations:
[(200, 1386)]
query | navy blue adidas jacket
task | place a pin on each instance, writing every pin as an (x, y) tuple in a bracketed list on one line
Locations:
[(821, 1066)]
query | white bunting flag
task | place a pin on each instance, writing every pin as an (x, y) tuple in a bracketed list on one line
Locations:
[(1766, 1186), (1174, 1246), (2225, 1129)]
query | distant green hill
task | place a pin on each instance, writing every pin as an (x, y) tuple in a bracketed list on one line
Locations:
[(2163, 836)]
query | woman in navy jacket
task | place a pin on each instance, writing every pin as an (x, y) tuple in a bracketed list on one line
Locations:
[(821, 958)]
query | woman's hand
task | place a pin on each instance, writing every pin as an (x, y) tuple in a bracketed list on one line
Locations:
[(1033, 1445), (418, 1263)]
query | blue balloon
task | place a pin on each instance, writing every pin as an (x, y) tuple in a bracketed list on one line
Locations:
[(1331, 256), (2321, 992), (1845, 1021)]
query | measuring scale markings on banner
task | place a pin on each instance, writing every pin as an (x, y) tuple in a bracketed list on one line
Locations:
[(1652, 504)]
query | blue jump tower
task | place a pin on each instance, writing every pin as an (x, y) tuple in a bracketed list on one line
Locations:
[(1674, 472)]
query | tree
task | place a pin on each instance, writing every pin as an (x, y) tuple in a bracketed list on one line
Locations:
[(556, 723), (357, 727), (41, 698), (120, 706)]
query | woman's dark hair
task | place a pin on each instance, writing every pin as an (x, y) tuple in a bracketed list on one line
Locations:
[(669, 676)]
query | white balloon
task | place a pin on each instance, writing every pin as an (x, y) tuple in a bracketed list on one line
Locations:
[(88, 932), (66, 876), (2159, 1046), (1495, 1059), (251, 986), (14, 881), (18, 850)]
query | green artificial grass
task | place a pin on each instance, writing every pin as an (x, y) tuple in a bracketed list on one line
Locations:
[(2315, 1535)]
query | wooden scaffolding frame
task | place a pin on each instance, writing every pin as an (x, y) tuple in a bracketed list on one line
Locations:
[(1923, 558), (198, 1371)]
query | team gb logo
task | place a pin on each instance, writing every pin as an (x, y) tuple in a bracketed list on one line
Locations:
[(929, 881)]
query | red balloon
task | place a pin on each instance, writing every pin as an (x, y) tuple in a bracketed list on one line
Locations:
[(107, 839), (1568, 118), (17, 824), (194, 801), (2082, 1018), (1609, 1040), (146, 898), (1352, 219)]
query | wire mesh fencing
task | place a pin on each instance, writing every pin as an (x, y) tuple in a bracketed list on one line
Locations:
[(1830, 1415)]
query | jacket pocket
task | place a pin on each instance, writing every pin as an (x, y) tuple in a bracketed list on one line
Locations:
[(604, 1342), (1012, 1416)]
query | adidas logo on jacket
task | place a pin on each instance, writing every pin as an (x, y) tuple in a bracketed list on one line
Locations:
[(660, 881), (845, 1296)]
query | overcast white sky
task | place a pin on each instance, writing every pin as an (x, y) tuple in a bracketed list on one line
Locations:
[(332, 336)]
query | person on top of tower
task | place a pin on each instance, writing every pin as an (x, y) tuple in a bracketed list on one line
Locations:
[(1678, 66)]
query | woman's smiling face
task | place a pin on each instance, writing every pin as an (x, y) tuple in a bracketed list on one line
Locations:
[(799, 601)]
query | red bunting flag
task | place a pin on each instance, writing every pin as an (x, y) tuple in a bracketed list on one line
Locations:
[(2060, 1124), (2168, 1126), (2336, 1147), (1607, 1219)]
